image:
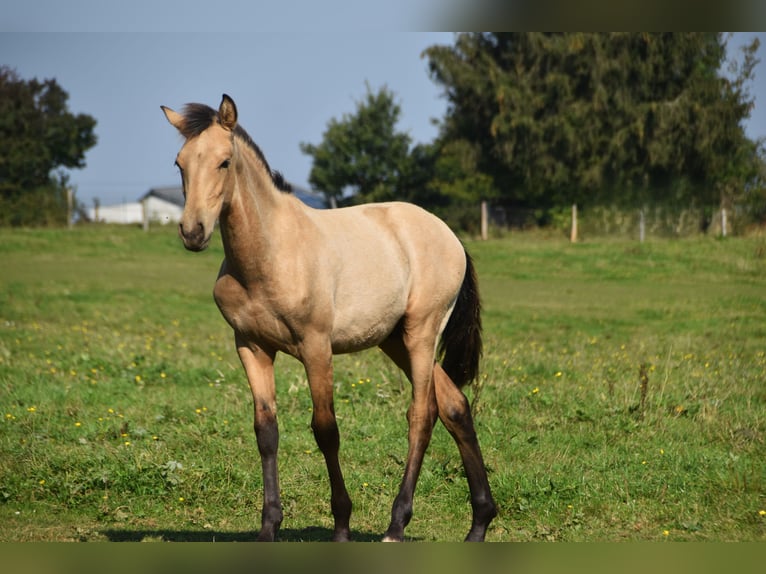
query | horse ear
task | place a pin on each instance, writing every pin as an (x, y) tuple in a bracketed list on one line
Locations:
[(227, 113), (175, 119)]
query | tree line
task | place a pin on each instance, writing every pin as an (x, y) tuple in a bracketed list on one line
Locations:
[(537, 121)]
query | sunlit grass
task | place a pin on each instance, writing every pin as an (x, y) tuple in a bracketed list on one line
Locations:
[(124, 413)]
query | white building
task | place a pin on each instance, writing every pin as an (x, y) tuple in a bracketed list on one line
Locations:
[(166, 204), (158, 205)]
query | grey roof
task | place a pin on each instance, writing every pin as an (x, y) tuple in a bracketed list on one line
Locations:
[(175, 195), (172, 194)]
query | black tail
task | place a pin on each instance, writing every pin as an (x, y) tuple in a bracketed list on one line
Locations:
[(460, 345)]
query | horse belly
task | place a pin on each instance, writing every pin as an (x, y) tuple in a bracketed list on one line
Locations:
[(360, 337), (365, 321)]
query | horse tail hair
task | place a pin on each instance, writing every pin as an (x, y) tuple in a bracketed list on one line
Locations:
[(461, 346)]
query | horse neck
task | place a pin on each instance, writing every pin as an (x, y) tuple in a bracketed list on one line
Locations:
[(249, 218)]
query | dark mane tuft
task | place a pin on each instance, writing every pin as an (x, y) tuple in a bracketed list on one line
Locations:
[(199, 117), (280, 182)]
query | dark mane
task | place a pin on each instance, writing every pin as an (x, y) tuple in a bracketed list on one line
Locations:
[(199, 117)]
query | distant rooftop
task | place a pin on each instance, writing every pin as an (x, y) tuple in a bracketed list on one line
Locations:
[(174, 194)]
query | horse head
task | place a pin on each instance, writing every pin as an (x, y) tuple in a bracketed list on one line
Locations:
[(204, 162)]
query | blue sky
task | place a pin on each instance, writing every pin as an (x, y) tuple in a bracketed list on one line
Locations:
[(286, 86), (119, 67)]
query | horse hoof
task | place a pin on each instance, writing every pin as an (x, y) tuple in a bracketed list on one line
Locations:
[(266, 536), (341, 537)]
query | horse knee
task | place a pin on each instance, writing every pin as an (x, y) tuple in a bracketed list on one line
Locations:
[(266, 432), (325, 430)]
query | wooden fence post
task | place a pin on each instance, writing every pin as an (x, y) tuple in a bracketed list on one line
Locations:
[(573, 236), (484, 220), (641, 226), (723, 221), (69, 206), (145, 214)]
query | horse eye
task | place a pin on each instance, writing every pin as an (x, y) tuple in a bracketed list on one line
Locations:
[(224, 164)]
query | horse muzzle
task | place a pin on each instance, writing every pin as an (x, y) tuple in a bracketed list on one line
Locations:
[(194, 236)]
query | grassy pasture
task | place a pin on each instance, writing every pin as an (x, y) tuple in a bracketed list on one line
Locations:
[(623, 397)]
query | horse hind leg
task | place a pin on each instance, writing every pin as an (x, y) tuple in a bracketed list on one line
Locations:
[(455, 414), (416, 361)]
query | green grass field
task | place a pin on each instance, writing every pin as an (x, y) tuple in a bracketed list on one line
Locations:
[(622, 397)]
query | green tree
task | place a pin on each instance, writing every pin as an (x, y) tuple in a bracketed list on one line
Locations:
[(456, 174), (38, 137), (624, 118), (361, 154)]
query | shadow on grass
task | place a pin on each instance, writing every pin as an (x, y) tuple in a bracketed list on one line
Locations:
[(310, 534)]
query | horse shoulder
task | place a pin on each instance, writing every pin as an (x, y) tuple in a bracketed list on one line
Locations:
[(249, 313), (231, 297)]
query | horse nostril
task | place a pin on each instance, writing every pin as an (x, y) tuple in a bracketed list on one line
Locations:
[(193, 236), (196, 229)]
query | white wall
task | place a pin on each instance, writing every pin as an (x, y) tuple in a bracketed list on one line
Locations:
[(158, 211), (163, 211)]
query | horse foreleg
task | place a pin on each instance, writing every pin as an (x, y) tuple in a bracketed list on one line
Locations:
[(259, 367), (325, 427), (455, 413), (421, 417), (267, 436)]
